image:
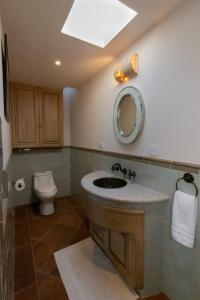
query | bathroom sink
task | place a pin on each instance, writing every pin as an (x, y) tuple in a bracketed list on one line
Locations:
[(103, 187), (110, 182)]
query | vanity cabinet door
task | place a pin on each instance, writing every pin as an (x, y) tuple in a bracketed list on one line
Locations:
[(25, 116), (99, 234), (120, 233), (119, 250), (51, 118)]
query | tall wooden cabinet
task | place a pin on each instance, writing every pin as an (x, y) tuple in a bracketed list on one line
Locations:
[(37, 117), (51, 121)]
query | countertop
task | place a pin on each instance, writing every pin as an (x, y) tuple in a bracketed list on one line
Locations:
[(131, 193)]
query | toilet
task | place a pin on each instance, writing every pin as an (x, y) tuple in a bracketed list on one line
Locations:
[(45, 189)]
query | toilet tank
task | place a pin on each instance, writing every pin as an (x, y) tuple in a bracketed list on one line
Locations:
[(41, 179)]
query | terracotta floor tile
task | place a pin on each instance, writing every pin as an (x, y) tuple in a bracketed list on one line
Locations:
[(53, 218), (43, 256), (74, 201), (24, 270), (39, 228), (49, 219), (34, 214), (160, 296), (20, 215), (80, 234), (45, 235), (28, 294), (70, 218), (63, 204), (21, 234), (33, 241), (40, 277), (54, 270), (60, 235), (33, 211), (51, 288), (80, 211)]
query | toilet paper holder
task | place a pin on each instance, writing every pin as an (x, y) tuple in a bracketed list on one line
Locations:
[(19, 184)]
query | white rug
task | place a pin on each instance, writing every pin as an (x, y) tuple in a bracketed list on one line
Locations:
[(88, 274)]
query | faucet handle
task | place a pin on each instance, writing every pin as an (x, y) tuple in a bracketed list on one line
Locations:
[(116, 167), (124, 171), (131, 173)]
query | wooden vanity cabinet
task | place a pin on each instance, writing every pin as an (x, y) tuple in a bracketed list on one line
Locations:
[(120, 233), (36, 117)]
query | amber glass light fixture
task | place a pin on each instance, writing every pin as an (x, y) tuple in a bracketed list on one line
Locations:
[(57, 63), (128, 70)]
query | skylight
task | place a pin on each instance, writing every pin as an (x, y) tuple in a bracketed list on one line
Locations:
[(97, 21)]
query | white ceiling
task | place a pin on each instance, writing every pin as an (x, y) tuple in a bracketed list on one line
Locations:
[(35, 40)]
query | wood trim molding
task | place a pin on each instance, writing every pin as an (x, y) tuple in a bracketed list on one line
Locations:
[(176, 165)]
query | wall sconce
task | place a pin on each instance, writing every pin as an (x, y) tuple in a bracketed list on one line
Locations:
[(128, 70)]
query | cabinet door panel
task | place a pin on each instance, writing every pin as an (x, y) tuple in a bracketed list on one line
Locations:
[(51, 118), (25, 116), (117, 246), (120, 233), (99, 233)]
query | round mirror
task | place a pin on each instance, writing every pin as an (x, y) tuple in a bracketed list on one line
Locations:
[(128, 115)]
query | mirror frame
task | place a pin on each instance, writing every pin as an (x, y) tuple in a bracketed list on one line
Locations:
[(140, 114)]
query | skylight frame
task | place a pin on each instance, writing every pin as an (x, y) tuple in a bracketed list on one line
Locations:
[(111, 14)]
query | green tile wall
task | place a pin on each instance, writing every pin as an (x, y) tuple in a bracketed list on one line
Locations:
[(25, 163)]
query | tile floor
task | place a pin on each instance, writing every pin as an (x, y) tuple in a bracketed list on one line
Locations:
[(37, 238)]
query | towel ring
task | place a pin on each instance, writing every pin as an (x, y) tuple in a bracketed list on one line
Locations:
[(189, 178)]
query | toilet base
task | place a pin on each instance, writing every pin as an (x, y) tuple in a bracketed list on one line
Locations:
[(47, 209)]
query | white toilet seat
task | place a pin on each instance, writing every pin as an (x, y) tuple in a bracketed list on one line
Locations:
[(47, 194)]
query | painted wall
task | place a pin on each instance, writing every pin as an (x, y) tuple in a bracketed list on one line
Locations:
[(66, 115), (6, 137), (169, 80)]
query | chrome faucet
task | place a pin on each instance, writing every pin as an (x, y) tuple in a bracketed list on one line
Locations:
[(131, 174), (117, 167)]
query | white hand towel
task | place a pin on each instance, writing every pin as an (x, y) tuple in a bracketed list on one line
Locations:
[(184, 219)]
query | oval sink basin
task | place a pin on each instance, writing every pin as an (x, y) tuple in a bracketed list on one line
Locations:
[(110, 182)]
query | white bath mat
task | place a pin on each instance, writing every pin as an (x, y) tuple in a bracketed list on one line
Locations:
[(88, 274)]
